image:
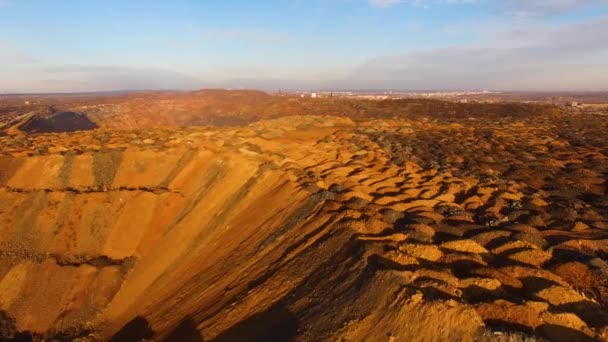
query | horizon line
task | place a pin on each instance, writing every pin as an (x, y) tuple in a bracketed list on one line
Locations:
[(397, 91)]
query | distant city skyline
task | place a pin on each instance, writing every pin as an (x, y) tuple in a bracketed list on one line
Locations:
[(87, 46)]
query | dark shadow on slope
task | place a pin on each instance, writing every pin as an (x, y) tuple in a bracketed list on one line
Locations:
[(186, 331), (8, 330), (559, 333), (275, 324), (136, 330), (7, 326), (58, 123)]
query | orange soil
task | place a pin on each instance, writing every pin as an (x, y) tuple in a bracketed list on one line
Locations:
[(308, 228)]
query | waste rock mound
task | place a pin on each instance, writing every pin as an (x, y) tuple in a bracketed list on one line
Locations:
[(58, 122), (308, 228)]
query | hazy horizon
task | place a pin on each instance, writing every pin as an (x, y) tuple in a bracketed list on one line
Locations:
[(307, 91), (359, 45)]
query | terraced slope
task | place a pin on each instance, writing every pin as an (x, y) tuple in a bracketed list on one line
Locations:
[(308, 228)]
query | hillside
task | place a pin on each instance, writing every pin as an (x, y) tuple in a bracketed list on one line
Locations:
[(232, 108), (350, 227)]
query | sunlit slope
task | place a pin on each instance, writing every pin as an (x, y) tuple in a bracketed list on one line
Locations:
[(122, 227)]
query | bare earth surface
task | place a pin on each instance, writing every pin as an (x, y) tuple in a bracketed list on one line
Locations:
[(308, 228)]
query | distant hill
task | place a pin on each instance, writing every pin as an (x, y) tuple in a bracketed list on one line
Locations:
[(217, 107)]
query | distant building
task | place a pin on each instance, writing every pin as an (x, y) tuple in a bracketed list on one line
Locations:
[(27, 103), (313, 95)]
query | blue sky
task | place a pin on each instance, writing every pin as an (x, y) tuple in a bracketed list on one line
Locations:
[(61, 45)]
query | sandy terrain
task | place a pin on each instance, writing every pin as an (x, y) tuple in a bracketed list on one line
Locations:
[(307, 228)]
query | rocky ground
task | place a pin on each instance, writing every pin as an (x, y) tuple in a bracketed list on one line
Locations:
[(309, 228)]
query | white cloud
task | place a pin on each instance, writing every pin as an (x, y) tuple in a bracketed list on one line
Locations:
[(69, 78), (536, 57), (384, 3), (419, 3), (121, 78), (546, 7), (521, 8)]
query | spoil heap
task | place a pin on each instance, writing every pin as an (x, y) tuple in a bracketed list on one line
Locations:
[(308, 228)]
